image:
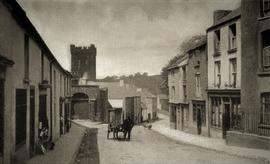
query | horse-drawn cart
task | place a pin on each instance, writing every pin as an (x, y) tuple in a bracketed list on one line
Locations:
[(114, 127)]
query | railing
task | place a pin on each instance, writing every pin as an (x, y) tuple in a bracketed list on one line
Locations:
[(251, 122)]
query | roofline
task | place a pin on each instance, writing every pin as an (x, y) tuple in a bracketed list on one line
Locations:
[(23, 21), (199, 46), (222, 23), (186, 56)]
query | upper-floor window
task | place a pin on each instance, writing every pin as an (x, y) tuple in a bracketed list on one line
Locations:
[(185, 92), (265, 113), (217, 41), (42, 65), (79, 64), (198, 85), (232, 36), (233, 72), (173, 92), (266, 7), (217, 77), (266, 49), (26, 56), (184, 73)]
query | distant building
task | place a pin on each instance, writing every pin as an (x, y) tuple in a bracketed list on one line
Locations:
[(196, 87), (162, 102), (187, 84), (120, 92), (178, 105), (83, 63)]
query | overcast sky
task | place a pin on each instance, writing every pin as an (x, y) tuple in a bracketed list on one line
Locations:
[(130, 35)]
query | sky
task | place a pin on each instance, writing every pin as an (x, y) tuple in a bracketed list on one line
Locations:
[(130, 35)]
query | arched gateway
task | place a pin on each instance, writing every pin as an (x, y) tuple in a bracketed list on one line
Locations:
[(89, 102)]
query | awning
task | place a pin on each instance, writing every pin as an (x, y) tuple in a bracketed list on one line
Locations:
[(116, 103)]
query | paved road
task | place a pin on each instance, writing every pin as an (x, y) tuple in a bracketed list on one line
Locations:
[(148, 147)]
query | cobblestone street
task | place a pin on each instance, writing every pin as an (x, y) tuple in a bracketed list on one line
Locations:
[(146, 146)]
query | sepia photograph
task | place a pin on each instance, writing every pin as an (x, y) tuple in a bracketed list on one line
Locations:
[(134, 81)]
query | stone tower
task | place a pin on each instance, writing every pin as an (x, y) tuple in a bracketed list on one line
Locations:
[(83, 63)]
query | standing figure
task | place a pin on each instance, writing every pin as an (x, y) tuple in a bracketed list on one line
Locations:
[(127, 126)]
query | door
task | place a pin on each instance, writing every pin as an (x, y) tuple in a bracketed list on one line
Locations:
[(43, 121), (199, 119), (61, 120), (1, 116), (21, 108), (67, 116), (32, 122), (226, 119)]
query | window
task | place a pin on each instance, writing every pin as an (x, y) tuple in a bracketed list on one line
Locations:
[(233, 72), (184, 73), (265, 113), (232, 36), (42, 65), (21, 106), (79, 64), (266, 49), (217, 41), (185, 92), (198, 85), (26, 57), (217, 77), (216, 115), (266, 7), (173, 93)]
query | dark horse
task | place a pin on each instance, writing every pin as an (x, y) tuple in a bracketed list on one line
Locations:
[(127, 128)]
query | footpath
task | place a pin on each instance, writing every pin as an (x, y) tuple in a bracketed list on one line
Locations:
[(65, 150), (162, 127)]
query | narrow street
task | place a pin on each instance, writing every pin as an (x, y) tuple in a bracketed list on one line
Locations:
[(146, 146)]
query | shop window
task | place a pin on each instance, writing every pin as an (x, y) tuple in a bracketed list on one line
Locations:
[(216, 112), (21, 106), (233, 72), (232, 36), (265, 113), (266, 49)]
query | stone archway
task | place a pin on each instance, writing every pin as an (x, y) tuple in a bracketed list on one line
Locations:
[(80, 106)]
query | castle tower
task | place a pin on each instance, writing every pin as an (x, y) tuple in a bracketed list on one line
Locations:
[(83, 63)]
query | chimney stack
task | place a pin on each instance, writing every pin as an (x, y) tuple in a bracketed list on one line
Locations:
[(218, 14)]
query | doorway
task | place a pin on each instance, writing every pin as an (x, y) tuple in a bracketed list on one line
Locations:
[(61, 120), (226, 119), (32, 122)]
